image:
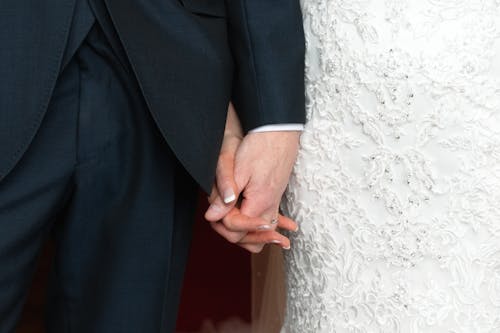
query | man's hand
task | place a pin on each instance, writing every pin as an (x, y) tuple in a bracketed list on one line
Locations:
[(258, 167)]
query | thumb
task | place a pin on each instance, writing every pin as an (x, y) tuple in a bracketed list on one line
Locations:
[(227, 191), (224, 176), (225, 180), (217, 209)]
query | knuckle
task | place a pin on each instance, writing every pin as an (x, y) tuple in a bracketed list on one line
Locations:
[(234, 237), (230, 224)]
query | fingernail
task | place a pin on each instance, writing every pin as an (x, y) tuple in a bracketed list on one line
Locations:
[(275, 241), (297, 229), (287, 248), (229, 196), (264, 227)]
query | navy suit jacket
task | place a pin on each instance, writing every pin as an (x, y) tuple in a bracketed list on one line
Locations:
[(190, 58)]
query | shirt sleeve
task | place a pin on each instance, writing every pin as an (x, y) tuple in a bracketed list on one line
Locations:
[(278, 128)]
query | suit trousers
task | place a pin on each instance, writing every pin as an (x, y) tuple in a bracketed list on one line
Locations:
[(101, 180)]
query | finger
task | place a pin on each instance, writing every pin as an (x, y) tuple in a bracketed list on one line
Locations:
[(287, 223), (235, 221), (213, 195), (217, 209), (282, 221), (271, 237), (225, 177), (230, 236), (226, 187), (225, 164), (272, 214), (259, 204)]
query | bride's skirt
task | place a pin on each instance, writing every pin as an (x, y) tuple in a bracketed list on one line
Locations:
[(397, 185)]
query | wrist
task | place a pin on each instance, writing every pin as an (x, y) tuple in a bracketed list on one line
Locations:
[(233, 125), (278, 137)]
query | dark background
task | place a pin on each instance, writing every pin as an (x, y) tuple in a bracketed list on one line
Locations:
[(216, 287)]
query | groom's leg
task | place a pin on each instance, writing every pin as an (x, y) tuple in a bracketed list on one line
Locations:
[(123, 242), (33, 195)]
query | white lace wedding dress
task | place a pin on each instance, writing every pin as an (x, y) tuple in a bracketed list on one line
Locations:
[(397, 185)]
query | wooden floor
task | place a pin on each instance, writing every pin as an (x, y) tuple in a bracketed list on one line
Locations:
[(217, 284)]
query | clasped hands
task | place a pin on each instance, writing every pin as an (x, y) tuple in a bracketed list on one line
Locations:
[(251, 177)]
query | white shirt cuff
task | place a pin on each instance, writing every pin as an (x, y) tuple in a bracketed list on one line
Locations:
[(278, 127)]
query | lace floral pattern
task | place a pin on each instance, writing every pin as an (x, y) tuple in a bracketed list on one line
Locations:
[(397, 185)]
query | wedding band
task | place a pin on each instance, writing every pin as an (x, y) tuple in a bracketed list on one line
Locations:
[(274, 221)]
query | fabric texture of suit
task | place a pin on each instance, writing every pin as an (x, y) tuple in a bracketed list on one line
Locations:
[(101, 180), (190, 57)]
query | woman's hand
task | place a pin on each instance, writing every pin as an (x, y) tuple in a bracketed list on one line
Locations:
[(249, 232)]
